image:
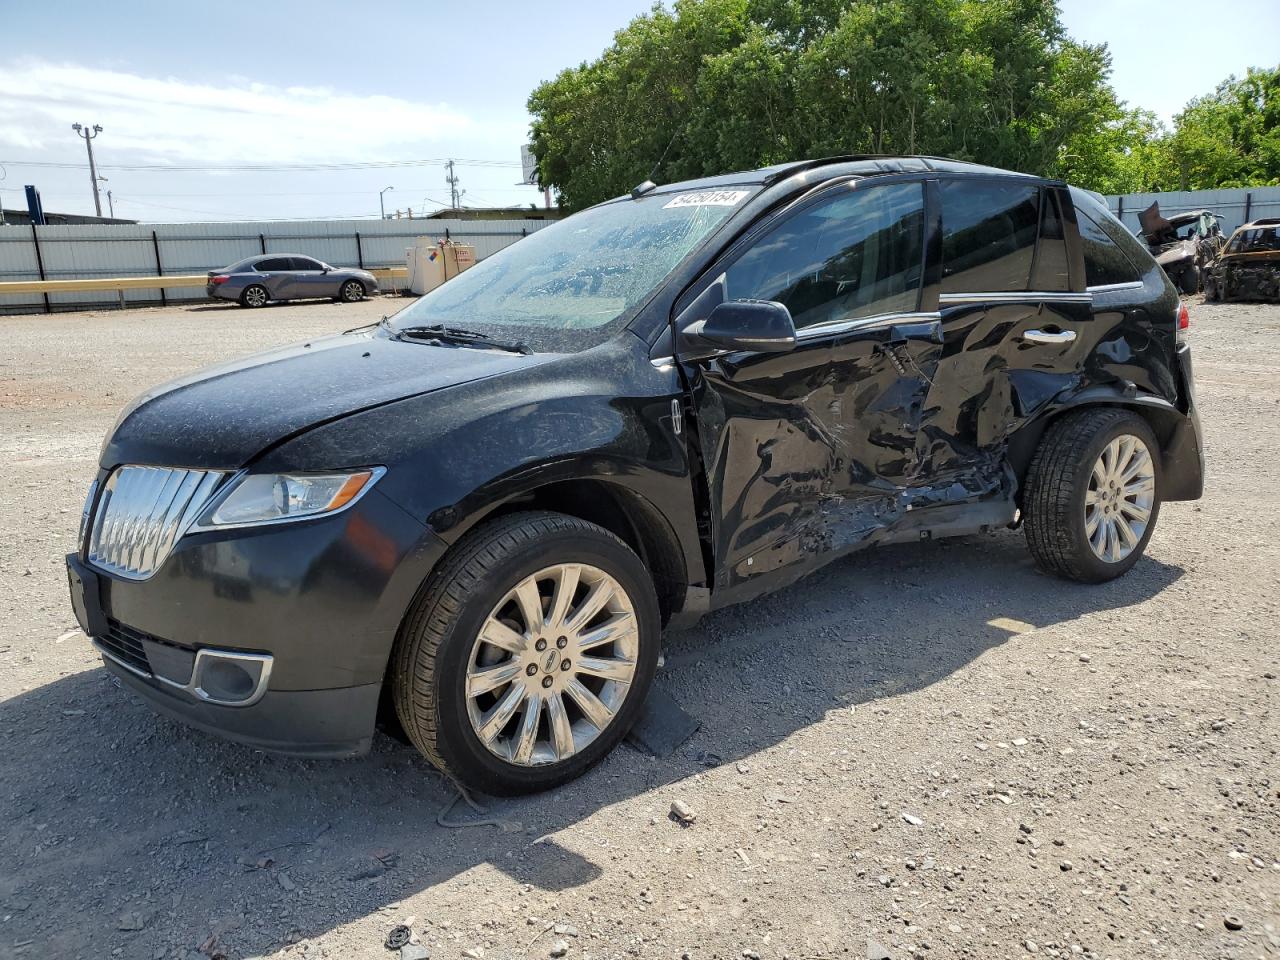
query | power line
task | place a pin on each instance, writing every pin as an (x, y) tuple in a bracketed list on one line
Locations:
[(262, 167)]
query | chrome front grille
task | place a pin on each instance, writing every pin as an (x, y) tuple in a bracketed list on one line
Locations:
[(141, 514)]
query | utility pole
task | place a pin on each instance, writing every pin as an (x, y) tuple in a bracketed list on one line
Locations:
[(382, 207), (86, 134), (111, 205), (455, 195)]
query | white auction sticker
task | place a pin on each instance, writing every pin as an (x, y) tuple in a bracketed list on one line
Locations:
[(708, 198)]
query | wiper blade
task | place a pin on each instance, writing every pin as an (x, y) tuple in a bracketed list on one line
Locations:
[(471, 338)]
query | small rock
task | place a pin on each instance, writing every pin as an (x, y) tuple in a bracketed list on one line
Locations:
[(750, 955), (285, 881), (1065, 866), (559, 948), (1020, 742), (681, 813), (414, 951), (134, 921), (1085, 658), (1031, 946), (1232, 922), (565, 929), (1024, 828), (912, 819), (474, 953)]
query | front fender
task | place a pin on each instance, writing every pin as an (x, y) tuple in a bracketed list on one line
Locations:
[(455, 456)]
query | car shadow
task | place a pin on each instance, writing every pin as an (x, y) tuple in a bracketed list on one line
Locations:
[(113, 817)]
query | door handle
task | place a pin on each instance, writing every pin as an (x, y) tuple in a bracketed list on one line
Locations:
[(1049, 336)]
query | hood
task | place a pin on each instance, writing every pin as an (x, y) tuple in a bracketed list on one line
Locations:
[(224, 416)]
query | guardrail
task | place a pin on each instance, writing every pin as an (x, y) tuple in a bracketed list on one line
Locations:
[(121, 284)]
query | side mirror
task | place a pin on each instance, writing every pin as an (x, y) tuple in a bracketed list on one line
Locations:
[(758, 326)]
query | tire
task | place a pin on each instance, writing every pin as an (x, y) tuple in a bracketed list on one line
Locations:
[(254, 296), (439, 654), (1061, 491), (352, 291), (1210, 287), (1189, 280)]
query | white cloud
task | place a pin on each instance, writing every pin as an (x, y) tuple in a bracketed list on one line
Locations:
[(235, 120)]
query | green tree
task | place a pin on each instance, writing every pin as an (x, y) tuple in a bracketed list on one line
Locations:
[(716, 85), (1230, 138)]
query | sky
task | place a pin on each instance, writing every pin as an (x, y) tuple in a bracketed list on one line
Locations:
[(177, 86)]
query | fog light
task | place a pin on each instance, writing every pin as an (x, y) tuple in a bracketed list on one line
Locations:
[(230, 679)]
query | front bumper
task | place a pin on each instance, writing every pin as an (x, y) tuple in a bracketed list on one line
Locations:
[(318, 602)]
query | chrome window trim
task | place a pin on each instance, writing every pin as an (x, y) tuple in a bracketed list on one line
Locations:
[(860, 323), (192, 687), (1109, 287), (1030, 296), (827, 328)]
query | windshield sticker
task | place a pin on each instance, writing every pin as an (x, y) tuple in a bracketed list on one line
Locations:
[(708, 198)]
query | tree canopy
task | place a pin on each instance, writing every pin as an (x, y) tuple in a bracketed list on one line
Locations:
[(710, 86)]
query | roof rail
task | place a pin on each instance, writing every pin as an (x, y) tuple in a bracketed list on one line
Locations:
[(800, 166)]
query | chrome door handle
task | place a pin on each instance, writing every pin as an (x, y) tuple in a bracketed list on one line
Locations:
[(1046, 336)]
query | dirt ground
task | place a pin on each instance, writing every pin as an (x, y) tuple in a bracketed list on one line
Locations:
[(932, 747)]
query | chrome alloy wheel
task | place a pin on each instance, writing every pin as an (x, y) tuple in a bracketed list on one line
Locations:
[(552, 664), (1121, 494), (255, 296)]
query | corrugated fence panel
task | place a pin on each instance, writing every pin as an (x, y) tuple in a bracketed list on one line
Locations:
[(85, 251), (1236, 205)]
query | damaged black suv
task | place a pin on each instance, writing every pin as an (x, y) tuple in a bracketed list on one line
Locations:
[(480, 513)]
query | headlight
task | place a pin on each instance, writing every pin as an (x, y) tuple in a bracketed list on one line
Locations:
[(279, 497)]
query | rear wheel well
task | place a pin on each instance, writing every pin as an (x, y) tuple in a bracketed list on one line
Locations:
[(1023, 444)]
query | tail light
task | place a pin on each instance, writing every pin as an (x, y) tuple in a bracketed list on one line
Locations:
[(223, 278), (1184, 321)]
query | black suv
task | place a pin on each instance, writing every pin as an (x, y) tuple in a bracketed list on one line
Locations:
[(481, 512)]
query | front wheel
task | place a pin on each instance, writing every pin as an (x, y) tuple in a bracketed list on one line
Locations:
[(1092, 494), (352, 291), (528, 654)]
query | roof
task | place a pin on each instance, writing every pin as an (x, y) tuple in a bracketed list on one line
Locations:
[(851, 165)]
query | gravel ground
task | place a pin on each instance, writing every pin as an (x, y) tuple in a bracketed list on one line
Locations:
[(930, 746)]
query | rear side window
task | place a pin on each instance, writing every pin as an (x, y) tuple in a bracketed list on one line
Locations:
[(858, 255), (989, 234), (1104, 262), (273, 264)]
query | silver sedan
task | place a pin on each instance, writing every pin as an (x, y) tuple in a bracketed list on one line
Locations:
[(255, 281)]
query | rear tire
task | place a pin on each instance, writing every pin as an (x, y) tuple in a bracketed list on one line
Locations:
[(1087, 518), (505, 736), (254, 296), (1189, 280)]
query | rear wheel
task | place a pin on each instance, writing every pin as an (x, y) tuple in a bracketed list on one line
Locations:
[(352, 291), (1092, 494), (528, 655), (254, 296)]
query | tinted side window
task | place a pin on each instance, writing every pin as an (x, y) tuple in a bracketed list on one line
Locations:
[(1104, 262), (858, 255), (988, 235), (304, 263), (273, 265)]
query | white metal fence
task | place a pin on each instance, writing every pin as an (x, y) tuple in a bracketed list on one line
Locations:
[(87, 251), (1236, 205)]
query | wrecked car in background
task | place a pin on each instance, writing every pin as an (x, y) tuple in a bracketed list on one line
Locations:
[(1184, 245), (482, 512), (1248, 268)]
